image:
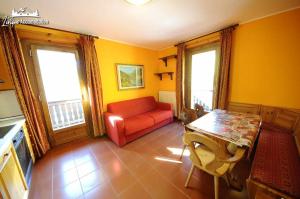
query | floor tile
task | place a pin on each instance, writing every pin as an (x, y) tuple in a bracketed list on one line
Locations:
[(122, 182), (115, 168), (87, 167), (104, 191), (72, 190), (148, 167), (63, 163), (168, 169), (82, 158), (62, 179), (92, 180), (141, 169), (158, 187), (195, 187), (135, 191), (104, 157), (131, 159), (41, 189)]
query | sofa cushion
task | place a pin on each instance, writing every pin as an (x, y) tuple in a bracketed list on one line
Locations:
[(160, 115), (137, 123), (276, 162), (130, 108)]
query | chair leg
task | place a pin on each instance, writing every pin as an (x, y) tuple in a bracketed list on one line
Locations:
[(183, 148), (227, 180), (216, 182), (189, 176)]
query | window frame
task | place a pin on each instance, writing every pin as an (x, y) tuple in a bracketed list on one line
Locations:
[(188, 70), (67, 134)]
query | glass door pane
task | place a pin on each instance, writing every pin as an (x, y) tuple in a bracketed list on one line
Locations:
[(61, 84), (203, 72)]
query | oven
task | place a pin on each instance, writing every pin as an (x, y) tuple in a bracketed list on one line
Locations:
[(23, 153)]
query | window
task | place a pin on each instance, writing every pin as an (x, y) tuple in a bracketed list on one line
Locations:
[(202, 64)]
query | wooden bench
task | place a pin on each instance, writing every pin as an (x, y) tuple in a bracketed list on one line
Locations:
[(285, 120), (276, 165)]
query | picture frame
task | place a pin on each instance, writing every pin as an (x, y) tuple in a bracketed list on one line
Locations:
[(130, 76)]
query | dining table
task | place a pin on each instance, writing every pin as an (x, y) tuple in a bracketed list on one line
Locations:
[(230, 129), (241, 129)]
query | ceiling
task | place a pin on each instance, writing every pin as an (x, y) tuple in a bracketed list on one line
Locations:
[(156, 25)]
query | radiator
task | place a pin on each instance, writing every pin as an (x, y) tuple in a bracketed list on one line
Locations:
[(168, 97)]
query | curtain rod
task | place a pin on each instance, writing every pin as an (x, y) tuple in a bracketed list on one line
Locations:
[(234, 26), (67, 31)]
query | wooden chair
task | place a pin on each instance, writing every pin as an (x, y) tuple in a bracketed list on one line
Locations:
[(208, 155), (187, 116), (199, 110)]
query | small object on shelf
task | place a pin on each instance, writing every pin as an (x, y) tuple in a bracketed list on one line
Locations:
[(1, 81), (165, 59), (161, 74)]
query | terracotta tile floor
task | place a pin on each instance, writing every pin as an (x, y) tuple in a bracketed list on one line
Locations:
[(146, 168)]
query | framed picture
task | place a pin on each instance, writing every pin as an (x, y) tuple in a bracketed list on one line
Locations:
[(130, 76)]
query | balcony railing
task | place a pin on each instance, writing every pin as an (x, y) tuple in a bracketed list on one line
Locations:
[(66, 113)]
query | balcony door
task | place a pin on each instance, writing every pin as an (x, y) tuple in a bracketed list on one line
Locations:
[(202, 67), (61, 90)]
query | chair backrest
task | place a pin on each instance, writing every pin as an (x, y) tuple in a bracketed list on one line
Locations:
[(199, 110), (192, 138), (188, 115)]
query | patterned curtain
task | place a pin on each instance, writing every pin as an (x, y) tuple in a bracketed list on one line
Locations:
[(224, 70), (27, 100), (93, 78), (180, 78)]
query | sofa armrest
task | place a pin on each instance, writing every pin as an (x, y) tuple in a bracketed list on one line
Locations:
[(115, 128), (164, 106)]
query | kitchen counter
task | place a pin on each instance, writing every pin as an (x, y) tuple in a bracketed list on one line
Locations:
[(7, 139)]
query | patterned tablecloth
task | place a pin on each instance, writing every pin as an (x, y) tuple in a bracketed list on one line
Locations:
[(238, 128)]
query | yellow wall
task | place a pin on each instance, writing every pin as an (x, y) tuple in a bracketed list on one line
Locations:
[(265, 66), (166, 84), (266, 61), (110, 53)]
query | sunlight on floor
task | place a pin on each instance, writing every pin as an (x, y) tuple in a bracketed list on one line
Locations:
[(178, 151), (168, 160)]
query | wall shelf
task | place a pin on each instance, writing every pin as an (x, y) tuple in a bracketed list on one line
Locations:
[(165, 59), (162, 73)]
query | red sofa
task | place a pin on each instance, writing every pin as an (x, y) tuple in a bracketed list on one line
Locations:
[(128, 120)]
